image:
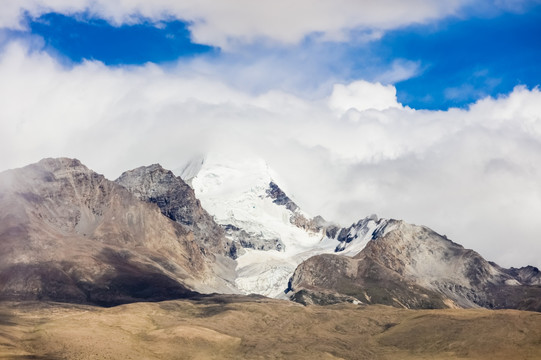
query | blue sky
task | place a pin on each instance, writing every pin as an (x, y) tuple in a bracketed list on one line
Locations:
[(454, 61), (96, 39), (465, 60)]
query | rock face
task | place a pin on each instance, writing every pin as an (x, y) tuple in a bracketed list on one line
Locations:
[(280, 198), (527, 275), (412, 266), (69, 234), (177, 201), (298, 218)]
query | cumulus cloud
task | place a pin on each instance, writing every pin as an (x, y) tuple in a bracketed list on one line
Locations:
[(362, 95), (226, 23), (471, 173)]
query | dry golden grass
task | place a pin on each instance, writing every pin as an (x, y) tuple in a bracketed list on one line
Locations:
[(242, 328)]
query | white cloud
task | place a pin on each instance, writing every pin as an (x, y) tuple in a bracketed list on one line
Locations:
[(399, 70), (362, 95), (472, 174), (226, 23)]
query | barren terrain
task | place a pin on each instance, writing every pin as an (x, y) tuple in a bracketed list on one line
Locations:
[(235, 327)]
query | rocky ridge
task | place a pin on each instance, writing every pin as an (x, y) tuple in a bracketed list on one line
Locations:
[(177, 201), (411, 266), (69, 234)]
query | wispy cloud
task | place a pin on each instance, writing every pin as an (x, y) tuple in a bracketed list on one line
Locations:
[(400, 70)]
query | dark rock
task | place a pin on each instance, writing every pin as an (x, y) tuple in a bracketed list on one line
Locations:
[(280, 198), (177, 201)]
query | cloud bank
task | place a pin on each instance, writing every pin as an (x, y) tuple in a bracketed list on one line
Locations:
[(472, 174), (232, 22)]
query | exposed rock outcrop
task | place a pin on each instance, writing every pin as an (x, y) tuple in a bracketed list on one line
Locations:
[(528, 275), (252, 240), (177, 201), (280, 198), (297, 217)]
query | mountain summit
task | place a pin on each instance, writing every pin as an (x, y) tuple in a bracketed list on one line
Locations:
[(273, 233)]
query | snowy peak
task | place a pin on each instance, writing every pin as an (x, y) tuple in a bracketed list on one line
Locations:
[(241, 193), (274, 235), (238, 189), (234, 192)]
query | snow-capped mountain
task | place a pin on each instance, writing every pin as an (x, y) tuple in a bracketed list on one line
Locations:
[(69, 234), (372, 261), (275, 235)]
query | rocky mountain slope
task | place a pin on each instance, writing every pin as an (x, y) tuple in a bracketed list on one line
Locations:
[(177, 201), (69, 234), (411, 266)]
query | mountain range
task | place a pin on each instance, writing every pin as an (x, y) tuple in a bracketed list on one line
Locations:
[(224, 226)]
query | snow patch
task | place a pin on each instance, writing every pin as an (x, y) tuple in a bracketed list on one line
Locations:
[(512, 282)]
